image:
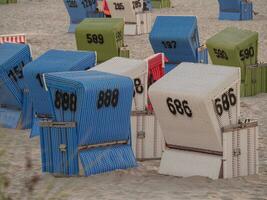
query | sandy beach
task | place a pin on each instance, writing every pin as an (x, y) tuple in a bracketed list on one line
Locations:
[(45, 23)]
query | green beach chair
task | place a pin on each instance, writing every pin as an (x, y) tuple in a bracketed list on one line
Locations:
[(239, 48), (161, 3), (3, 1), (103, 35), (7, 1)]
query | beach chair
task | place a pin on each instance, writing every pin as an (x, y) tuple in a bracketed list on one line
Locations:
[(239, 48), (13, 38), (91, 130), (79, 10), (161, 4), (136, 20), (198, 108), (156, 66), (7, 1), (51, 61), (146, 136), (177, 37), (105, 36), (235, 10), (15, 103)]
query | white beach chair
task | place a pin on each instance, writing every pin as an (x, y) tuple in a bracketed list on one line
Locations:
[(147, 140), (136, 21), (198, 108)]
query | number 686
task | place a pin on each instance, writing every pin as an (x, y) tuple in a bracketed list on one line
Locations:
[(176, 106), (224, 102)]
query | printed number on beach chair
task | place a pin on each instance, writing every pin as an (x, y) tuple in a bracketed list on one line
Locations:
[(125, 9)]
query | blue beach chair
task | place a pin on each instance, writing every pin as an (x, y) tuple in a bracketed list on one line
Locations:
[(235, 10), (177, 37), (79, 10), (15, 103), (92, 122), (52, 61)]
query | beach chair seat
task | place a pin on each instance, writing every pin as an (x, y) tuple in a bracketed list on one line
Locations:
[(177, 37), (136, 20), (238, 48), (78, 10), (15, 104), (191, 113), (235, 10), (52, 61), (105, 36), (95, 109)]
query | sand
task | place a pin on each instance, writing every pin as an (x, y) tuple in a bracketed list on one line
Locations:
[(45, 23)]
